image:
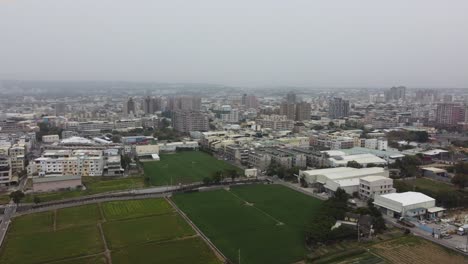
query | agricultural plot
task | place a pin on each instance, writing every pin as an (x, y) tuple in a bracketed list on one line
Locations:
[(141, 230), (414, 250), (133, 231), (135, 208), (183, 251), (184, 167), (264, 222), (76, 216)]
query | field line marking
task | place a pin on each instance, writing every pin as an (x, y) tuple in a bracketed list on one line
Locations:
[(210, 244), (278, 222), (55, 220)]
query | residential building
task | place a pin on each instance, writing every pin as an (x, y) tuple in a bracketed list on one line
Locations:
[(338, 108), (395, 94), (5, 170), (275, 122), (17, 156), (449, 114), (188, 120)]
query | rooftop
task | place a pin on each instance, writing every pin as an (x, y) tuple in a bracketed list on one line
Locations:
[(408, 198)]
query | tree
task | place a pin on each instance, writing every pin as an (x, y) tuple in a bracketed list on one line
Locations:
[(331, 124), (353, 164), (217, 177), (207, 180), (17, 196), (125, 161), (147, 180), (460, 180), (232, 174), (36, 199)]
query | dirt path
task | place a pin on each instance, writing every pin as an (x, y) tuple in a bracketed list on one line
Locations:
[(107, 252), (103, 218)]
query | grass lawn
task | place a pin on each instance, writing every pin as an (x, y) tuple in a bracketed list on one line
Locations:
[(184, 167), (94, 185), (47, 246), (135, 208), (4, 199), (192, 250), (145, 229), (77, 216), (266, 222)]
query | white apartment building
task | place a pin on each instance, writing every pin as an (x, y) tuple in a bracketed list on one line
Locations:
[(370, 186), (50, 138), (375, 143), (231, 117), (77, 162)]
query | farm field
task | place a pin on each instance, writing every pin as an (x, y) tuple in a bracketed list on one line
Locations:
[(183, 167), (414, 250), (265, 222), (431, 185), (94, 185), (132, 230)]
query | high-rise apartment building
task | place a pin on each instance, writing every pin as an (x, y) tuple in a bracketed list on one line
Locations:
[(291, 98), (303, 111), (249, 101), (288, 110), (338, 108), (184, 103), (188, 120), (130, 107), (395, 93), (450, 114)]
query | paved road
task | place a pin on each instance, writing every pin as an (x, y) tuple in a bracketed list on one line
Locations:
[(423, 234)]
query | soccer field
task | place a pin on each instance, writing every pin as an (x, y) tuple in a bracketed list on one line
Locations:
[(264, 222), (132, 230), (184, 167)]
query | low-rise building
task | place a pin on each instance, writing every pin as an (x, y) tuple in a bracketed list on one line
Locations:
[(407, 204), (369, 186)]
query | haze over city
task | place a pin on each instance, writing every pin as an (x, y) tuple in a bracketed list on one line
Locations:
[(233, 132), (420, 44)]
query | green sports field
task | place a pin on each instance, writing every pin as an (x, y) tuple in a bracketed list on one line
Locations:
[(265, 222), (132, 230), (184, 167)]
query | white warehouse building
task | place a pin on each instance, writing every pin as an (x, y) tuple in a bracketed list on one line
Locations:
[(408, 204), (346, 178)]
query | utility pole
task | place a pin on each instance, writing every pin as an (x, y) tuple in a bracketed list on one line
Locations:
[(239, 257)]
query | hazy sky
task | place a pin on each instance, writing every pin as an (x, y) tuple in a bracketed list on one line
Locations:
[(416, 43)]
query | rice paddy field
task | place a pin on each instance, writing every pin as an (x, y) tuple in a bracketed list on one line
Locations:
[(136, 231), (184, 167)]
